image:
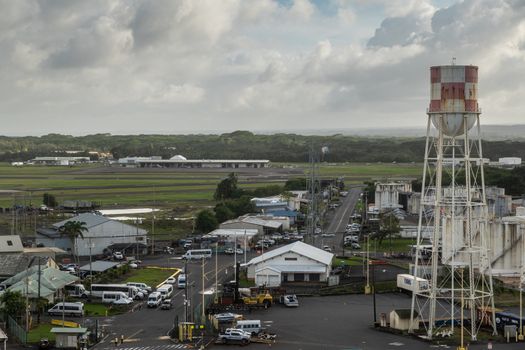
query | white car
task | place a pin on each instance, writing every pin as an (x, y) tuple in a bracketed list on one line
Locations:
[(290, 300), (171, 280), (328, 235), (118, 256), (122, 301), (327, 249)]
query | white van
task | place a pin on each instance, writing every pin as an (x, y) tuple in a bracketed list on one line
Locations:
[(251, 326), (181, 281), (197, 254), (142, 286), (70, 309), (154, 299), (166, 290), (120, 298)]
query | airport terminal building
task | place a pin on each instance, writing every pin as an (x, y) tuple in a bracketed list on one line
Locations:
[(179, 161)]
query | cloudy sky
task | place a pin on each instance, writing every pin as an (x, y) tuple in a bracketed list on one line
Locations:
[(176, 66)]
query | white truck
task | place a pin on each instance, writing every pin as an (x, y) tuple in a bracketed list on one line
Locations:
[(409, 283), (233, 335)]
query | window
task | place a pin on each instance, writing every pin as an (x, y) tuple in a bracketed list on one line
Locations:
[(298, 277), (314, 277), (9, 243), (290, 259)]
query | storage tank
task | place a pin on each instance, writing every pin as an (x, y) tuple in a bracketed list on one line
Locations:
[(454, 95)]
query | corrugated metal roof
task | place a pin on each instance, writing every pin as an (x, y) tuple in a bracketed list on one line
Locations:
[(11, 264), (91, 220), (300, 248), (294, 268), (59, 330), (51, 280), (100, 266)]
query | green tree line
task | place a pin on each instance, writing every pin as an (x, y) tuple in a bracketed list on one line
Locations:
[(238, 145)]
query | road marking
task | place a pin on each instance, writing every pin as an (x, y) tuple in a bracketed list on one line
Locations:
[(396, 344), (151, 347)]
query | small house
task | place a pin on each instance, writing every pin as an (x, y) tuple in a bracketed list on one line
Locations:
[(400, 319)]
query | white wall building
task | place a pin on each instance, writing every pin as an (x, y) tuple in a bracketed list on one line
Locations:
[(295, 262), (387, 194), (263, 226), (102, 232)]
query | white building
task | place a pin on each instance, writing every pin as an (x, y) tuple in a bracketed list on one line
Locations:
[(387, 194), (102, 233), (509, 161), (263, 226), (179, 161), (295, 262), (241, 237)]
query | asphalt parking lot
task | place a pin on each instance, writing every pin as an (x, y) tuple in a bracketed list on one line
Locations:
[(340, 322)]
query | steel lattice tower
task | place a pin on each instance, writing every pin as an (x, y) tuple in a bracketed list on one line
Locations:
[(451, 249)]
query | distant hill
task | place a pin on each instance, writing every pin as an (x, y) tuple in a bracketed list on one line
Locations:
[(279, 147)]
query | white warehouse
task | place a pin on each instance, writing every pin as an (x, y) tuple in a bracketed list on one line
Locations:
[(102, 232), (295, 262)]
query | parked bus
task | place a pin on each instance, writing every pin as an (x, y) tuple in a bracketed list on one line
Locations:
[(197, 254), (133, 292)]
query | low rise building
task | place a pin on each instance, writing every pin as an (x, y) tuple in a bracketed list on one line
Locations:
[(263, 226), (179, 161), (102, 232), (295, 262)]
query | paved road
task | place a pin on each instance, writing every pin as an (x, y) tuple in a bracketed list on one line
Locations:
[(341, 323), (340, 220), (149, 327)]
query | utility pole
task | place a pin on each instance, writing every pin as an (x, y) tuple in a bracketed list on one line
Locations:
[(186, 299), (203, 315), (38, 302)]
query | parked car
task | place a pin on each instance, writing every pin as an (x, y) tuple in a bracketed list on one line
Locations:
[(229, 251), (328, 235), (290, 300), (166, 304), (355, 246), (118, 256), (171, 280), (327, 248), (168, 250), (227, 317)]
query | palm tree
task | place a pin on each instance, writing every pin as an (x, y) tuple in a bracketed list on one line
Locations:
[(73, 230)]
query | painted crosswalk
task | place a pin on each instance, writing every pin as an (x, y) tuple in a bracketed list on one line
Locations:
[(148, 347)]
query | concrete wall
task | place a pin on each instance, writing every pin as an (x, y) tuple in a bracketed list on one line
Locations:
[(242, 226)]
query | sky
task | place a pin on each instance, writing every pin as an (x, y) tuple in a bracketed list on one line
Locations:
[(200, 66)]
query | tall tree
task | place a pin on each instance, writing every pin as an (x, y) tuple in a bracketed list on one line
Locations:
[(73, 230), (13, 304), (227, 188), (206, 221), (389, 226), (49, 200)]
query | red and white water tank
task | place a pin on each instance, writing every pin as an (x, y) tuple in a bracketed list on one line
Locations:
[(454, 98)]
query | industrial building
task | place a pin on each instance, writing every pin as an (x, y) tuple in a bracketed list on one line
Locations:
[(102, 233), (387, 194), (263, 226), (179, 161), (63, 161), (295, 262)]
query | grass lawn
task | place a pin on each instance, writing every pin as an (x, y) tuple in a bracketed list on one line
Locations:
[(151, 276), (95, 309), (40, 331), (353, 261), (396, 245)]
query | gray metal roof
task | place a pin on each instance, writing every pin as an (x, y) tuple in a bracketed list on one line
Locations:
[(90, 219), (11, 264), (60, 330), (99, 266)]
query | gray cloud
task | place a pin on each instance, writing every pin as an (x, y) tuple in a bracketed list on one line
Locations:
[(175, 66)]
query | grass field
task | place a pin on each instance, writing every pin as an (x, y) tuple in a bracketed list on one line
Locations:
[(353, 261), (40, 331), (151, 276), (119, 187)]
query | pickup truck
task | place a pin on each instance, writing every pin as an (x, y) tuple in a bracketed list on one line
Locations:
[(233, 335)]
